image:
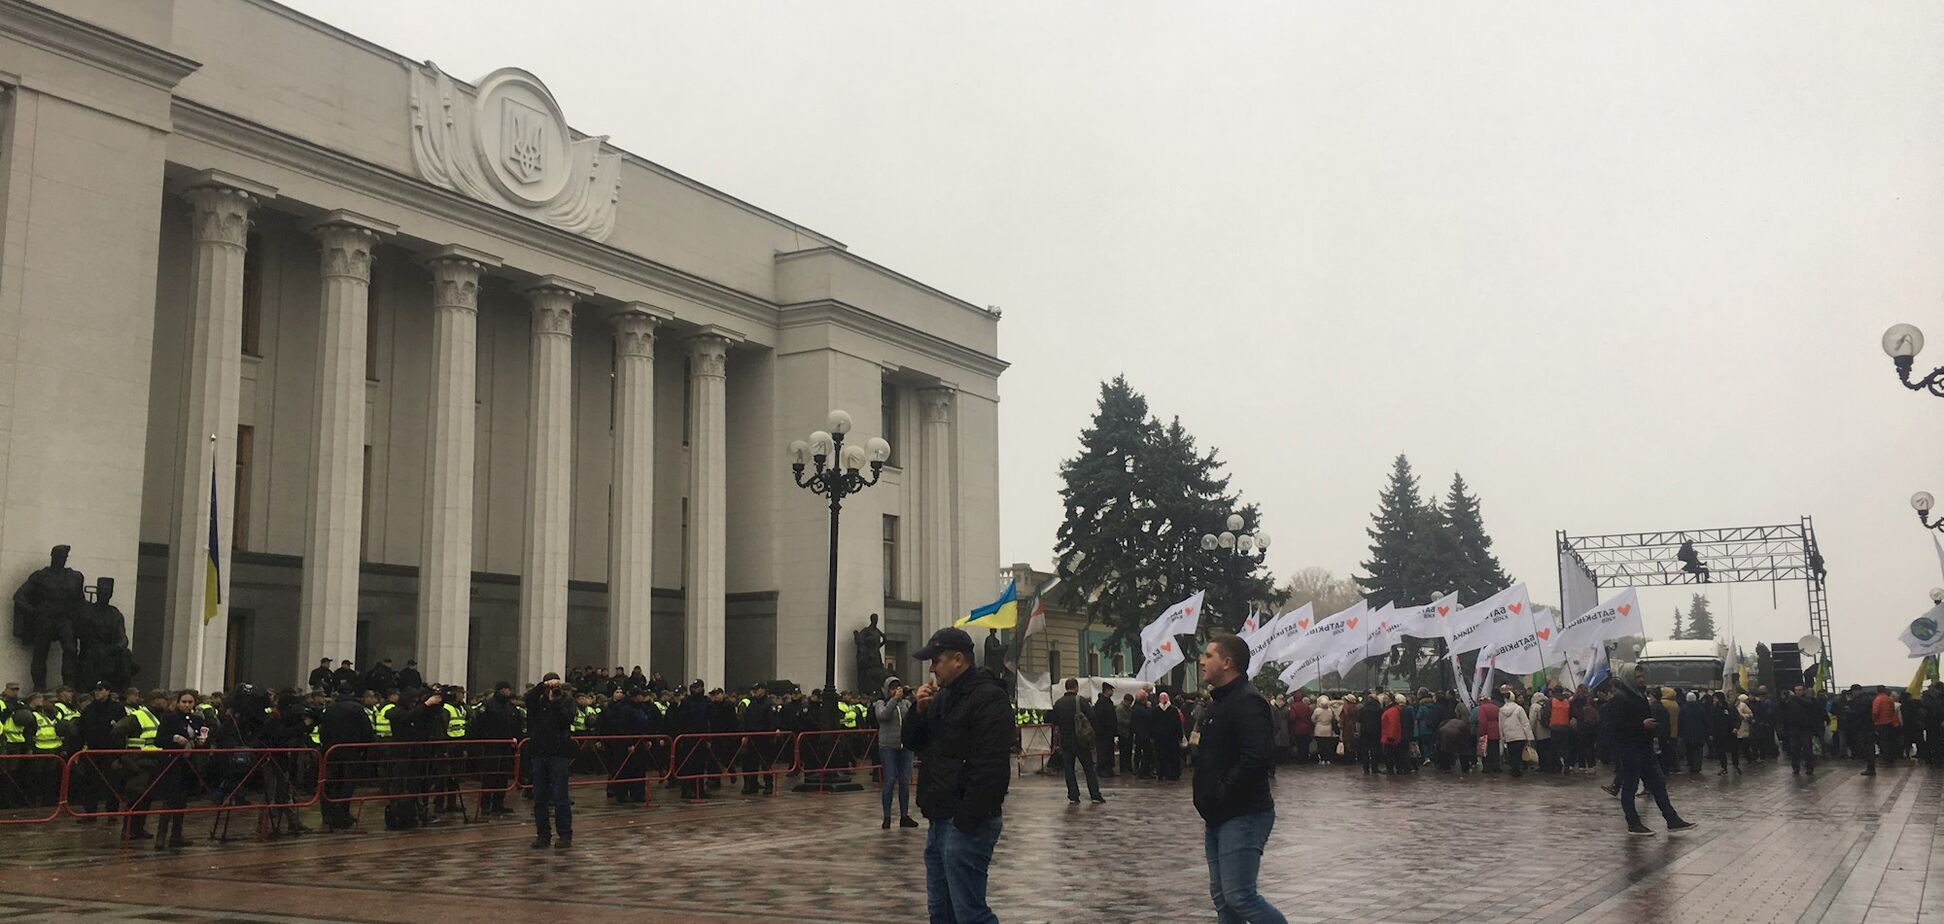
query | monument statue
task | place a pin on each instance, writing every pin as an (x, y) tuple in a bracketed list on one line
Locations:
[(995, 657), (46, 609), (870, 657), (103, 638)]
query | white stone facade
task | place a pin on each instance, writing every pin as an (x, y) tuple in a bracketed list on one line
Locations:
[(501, 397)]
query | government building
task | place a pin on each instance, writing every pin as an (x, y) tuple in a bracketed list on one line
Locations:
[(462, 383)]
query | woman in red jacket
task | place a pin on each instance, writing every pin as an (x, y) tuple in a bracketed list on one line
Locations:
[(1302, 727), (1393, 736)]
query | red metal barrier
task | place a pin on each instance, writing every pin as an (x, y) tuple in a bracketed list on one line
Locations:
[(29, 783), (1034, 741), (837, 750), (384, 771), (621, 761), (732, 754), (126, 781)]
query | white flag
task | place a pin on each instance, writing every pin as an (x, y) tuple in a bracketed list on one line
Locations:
[(1161, 656), (1500, 619), (1251, 624), (1617, 617), (1327, 639), (1940, 552), (1181, 619), (1925, 634), (1037, 621), (1273, 641), (1299, 673), (1380, 633), (1427, 621)]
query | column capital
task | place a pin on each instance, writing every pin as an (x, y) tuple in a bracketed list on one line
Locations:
[(935, 403), (455, 276), (634, 328), (552, 299), (224, 181), (220, 206), (458, 253)]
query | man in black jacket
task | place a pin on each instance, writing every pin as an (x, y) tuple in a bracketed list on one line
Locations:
[(550, 744), (1106, 724), (1070, 709), (498, 720), (760, 749), (1634, 731), (1232, 783), (409, 678), (344, 722), (320, 676), (1802, 722), (962, 726)]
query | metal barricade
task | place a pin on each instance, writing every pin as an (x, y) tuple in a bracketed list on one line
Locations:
[(450, 770), (33, 787), (628, 765), (132, 784), (730, 755), (1034, 741), (837, 751)]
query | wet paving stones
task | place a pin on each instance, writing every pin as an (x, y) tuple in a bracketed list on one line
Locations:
[(1422, 849)]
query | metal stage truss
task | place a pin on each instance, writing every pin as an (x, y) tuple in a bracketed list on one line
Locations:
[(1736, 555)]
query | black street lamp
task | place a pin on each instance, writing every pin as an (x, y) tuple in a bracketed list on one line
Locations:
[(840, 480), (1922, 502), (1903, 342)]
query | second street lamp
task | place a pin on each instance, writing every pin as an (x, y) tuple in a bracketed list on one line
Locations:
[(1922, 502), (1251, 547), (842, 478), (1903, 342)]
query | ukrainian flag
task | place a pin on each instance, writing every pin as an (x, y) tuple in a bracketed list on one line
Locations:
[(212, 566), (1002, 613)]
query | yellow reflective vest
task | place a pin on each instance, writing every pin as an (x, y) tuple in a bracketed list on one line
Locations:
[(145, 739), (455, 721), (381, 720), (45, 737)]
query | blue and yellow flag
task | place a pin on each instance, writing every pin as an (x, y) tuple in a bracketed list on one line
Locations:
[(1002, 613), (212, 567)]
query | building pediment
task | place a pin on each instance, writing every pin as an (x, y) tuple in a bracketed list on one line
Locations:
[(506, 142)]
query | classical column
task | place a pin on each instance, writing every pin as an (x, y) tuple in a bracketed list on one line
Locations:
[(631, 539), (445, 553), (938, 508), (196, 628), (327, 613), (706, 582), (550, 435)]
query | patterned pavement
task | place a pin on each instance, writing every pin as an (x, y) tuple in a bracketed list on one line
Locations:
[(1835, 849)]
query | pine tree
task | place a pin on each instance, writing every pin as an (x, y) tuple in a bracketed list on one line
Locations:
[(1105, 560), (1393, 572), (1477, 574), (1700, 622), (1679, 633)]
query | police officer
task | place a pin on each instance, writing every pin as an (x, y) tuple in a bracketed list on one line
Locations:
[(759, 750)]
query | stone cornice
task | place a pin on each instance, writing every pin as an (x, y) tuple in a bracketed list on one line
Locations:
[(225, 131), (842, 314), (887, 273), (103, 48)]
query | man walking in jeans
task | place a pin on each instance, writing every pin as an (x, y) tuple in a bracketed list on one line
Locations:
[(962, 725), (1232, 783), (550, 745)]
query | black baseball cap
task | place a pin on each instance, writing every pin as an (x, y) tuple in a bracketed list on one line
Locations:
[(950, 638)]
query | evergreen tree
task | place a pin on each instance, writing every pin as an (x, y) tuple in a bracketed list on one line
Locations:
[(1393, 572), (1477, 573), (1700, 622), (1102, 553), (1679, 633), (1192, 500)]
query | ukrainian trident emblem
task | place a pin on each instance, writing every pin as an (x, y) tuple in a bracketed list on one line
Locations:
[(523, 141)]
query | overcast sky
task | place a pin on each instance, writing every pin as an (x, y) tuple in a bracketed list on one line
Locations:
[(1623, 265)]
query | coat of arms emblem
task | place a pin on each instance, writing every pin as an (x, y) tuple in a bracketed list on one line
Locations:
[(523, 141)]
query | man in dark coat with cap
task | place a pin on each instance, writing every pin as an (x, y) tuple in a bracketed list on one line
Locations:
[(962, 728), (1106, 722)]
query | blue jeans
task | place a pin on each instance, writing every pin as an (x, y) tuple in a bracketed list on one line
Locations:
[(955, 871), (1234, 850), (897, 772), (550, 789)]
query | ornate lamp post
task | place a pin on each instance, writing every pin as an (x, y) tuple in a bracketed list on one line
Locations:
[(1903, 342), (1922, 502), (841, 479), (1252, 547)]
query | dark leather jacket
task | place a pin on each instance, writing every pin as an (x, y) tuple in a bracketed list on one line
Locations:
[(965, 736)]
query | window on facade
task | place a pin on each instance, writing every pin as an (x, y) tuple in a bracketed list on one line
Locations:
[(253, 295), (1053, 665), (890, 424), (891, 558), (1093, 663), (373, 320), (364, 521), (240, 493), (1120, 664)]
